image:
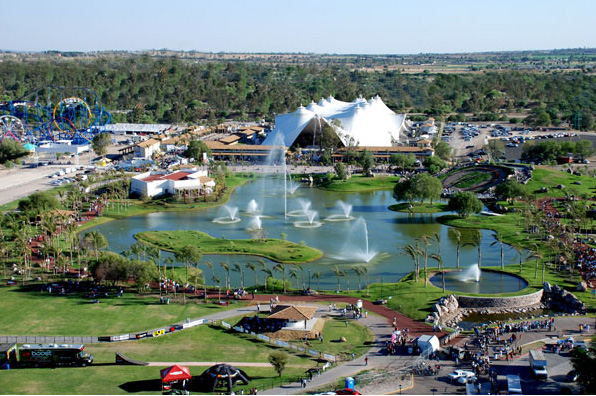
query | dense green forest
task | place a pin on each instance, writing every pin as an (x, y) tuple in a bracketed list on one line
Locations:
[(146, 89)]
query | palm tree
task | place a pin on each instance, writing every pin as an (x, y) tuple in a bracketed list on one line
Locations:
[(96, 241), (209, 265), (346, 273), (168, 260), (338, 272), (317, 275), (253, 267), (476, 240), (520, 252), (439, 259), (238, 268), (414, 253), (457, 235), (426, 242), (365, 271), (189, 255), (281, 267), (538, 256), (502, 253), (226, 267), (294, 274), (261, 263), (155, 254), (268, 273), (359, 270)]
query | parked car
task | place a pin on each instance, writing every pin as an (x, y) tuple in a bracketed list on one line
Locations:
[(457, 374)]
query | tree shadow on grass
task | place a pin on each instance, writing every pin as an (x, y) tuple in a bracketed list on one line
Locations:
[(142, 386)]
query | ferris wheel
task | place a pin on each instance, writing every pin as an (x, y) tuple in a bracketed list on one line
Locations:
[(11, 127)]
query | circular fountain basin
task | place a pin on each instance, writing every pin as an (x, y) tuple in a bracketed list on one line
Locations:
[(339, 217), (226, 220), (307, 224), (490, 282)]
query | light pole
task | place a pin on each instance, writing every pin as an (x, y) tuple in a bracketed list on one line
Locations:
[(309, 278)]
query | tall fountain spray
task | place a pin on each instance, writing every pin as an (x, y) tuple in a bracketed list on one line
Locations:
[(345, 215), (276, 156), (304, 205), (252, 207), (471, 274), (232, 211), (255, 224), (346, 208), (231, 217)]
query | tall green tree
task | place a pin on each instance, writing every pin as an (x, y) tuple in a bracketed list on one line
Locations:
[(279, 360), (465, 203), (189, 255), (100, 143), (584, 361), (196, 149), (367, 161)]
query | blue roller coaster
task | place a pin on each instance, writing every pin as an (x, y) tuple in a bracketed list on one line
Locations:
[(54, 114)]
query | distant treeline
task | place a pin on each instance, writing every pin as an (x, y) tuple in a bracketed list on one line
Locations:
[(145, 89)]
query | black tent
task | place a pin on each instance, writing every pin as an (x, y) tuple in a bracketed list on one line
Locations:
[(222, 375)]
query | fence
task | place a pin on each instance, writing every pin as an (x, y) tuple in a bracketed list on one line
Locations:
[(94, 340), (284, 344)]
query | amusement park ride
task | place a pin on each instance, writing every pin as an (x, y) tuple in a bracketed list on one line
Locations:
[(71, 114)]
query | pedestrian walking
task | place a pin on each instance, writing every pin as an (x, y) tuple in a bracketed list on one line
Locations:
[(366, 361)]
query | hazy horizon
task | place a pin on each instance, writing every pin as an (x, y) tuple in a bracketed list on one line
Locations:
[(377, 27)]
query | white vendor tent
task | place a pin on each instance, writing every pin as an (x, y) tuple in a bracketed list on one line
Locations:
[(360, 123), (428, 343)]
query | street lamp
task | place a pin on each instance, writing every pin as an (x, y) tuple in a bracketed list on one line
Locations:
[(309, 278)]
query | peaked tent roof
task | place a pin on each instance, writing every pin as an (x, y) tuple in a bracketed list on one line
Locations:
[(293, 312), (362, 122), (175, 373)]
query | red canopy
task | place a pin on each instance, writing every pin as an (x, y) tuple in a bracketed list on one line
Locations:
[(175, 373)]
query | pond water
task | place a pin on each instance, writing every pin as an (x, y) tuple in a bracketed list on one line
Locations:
[(369, 234), (488, 283)]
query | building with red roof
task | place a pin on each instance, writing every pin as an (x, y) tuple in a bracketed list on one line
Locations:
[(154, 183)]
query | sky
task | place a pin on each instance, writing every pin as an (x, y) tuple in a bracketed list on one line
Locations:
[(309, 26)]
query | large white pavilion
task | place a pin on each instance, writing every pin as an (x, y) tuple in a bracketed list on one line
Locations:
[(360, 123)]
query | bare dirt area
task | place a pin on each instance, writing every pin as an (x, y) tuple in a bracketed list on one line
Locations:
[(19, 183)]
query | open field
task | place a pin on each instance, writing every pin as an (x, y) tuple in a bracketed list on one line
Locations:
[(51, 314)]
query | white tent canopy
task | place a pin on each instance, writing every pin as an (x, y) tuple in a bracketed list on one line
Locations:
[(361, 122)]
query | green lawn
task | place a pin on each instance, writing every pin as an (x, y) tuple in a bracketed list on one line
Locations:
[(201, 344), (274, 249), (359, 183), (473, 179), (36, 313), (547, 177), (111, 379)]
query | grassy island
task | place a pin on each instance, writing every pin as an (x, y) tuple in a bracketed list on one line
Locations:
[(274, 249), (405, 207), (360, 183)]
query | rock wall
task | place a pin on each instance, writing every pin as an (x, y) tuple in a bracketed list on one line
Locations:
[(492, 303), (452, 309), (556, 297)]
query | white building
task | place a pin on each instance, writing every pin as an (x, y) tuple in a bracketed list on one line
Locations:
[(358, 123), (147, 148), (151, 184)]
